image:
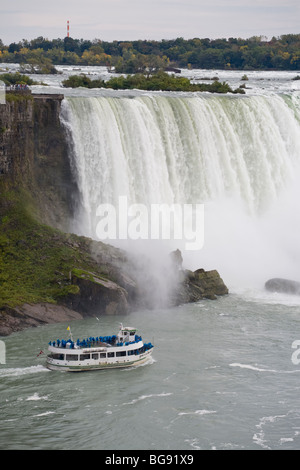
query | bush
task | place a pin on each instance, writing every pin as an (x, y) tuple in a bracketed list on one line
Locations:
[(16, 78), (75, 81), (157, 81)]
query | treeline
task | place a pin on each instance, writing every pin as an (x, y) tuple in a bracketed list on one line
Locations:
[(41, 55)]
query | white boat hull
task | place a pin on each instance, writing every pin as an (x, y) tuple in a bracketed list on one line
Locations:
[(90, 365), (111, 352)]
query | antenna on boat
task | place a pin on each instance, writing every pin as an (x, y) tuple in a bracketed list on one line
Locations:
[(71, 336)]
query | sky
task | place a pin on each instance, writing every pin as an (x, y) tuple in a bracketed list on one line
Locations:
[(111, 20)]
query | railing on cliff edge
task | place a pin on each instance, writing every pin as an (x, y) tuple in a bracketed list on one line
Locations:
[(19, 88)]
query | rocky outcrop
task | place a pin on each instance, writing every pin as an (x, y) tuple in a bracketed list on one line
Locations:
[(200, 284), (193, 286), (105, 289), (96, 295), (286, 286), (26, 316), (172, 69)]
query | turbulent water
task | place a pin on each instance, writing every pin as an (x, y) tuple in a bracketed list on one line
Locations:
[(224, 374)]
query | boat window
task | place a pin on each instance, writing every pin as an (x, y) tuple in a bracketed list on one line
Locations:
[(135, 351), (84, 357), (102, 355), (71, 357), (121, 353), (95, 356), (59, 357), (111, 354)]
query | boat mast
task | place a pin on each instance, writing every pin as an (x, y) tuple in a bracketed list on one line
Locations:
[(70, 333)]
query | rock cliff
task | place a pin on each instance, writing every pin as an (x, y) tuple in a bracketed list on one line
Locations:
[(34, 155)]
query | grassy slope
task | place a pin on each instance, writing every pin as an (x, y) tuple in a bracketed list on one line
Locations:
[(36, 260)]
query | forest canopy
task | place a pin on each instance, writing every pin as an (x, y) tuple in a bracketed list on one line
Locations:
[(256, 53)]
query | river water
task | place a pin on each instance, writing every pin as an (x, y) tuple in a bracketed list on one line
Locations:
[(221, 377), (224, 374)]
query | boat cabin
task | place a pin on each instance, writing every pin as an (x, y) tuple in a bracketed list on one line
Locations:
[(126, 334)]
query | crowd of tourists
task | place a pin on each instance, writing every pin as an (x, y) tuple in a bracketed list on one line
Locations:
[(17, 87)]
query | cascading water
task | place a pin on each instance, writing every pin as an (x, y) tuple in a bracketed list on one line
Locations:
[(239, 156)]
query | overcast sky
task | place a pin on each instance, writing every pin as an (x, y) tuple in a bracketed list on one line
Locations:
[(147, 19)]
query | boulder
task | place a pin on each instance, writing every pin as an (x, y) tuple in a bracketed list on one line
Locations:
[(96, 296), (200, 284), (286, 286), (176, 259), (29, 315), (210, 281), (172, 69)]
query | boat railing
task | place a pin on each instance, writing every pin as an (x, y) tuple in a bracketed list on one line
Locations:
[(92, 342)]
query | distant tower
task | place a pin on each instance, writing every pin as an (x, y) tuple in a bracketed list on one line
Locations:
[(68, 28)]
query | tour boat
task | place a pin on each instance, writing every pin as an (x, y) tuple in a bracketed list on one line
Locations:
[(104, 352)]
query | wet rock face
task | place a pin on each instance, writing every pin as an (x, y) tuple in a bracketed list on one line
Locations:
[(193, 286), (97, 296), (286, 286), (34, 155), (28, 316), (200, 284)]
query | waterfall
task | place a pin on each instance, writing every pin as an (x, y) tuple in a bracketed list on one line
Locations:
[(237, 155)]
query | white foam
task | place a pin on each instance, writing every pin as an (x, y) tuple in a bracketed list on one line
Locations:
[(15, 372), (144, 397), (286, 439), (149, 361), (47, 413), (259, 438), (259, 369), (36, 397), (196, 412), (248, 366)]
